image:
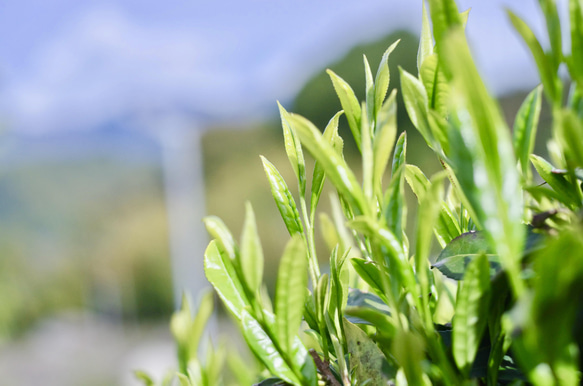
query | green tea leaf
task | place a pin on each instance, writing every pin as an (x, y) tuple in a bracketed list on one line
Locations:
[(384, 140), (333, 163), (219, 231), (220, 272), (576, 25), (446, 228), (444, 16), (144, 377), (370, 273), (425, 41), (366, 359), (525, 126), (331, 135), (453, 261), (263, 347), (382, 80), (471, 313), (415, 98), (293, 148), (283, 198), (292, 280), (569, 130), (567, 191), (349, 103), (251, 252), (369, 109), (435, 84), (549, 8), (394, 204), (367, 156), (494, 184), (545, 69)]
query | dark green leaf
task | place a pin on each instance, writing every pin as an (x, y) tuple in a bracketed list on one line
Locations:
[(366, 359)]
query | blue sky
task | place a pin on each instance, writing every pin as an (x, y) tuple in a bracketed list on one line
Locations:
[(79, 65)]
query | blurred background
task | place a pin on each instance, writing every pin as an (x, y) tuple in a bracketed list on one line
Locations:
[(123, 123)]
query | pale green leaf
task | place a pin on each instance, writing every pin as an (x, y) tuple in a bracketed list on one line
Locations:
[(292, 280), (283, 198), (382, 80), (330, 135), (471, 313), (251, 252), (261, 344), (333, 163), (221, 274), (425, 41), (548, 77), (384, 139), (293, 148), (525, 127), (349, 103)]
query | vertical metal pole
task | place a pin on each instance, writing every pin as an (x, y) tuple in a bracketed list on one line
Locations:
[(184, 189)]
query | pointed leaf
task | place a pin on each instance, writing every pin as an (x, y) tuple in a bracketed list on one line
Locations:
[(525, 127), (292, 280), (293, 149), (383, 79), (548, 77), (567, 191), (331, 135), (471, 313), (220, 273), (283, 198), (366, 359), (349, 103), (384, 140), (251, 252), (264, 348), (435, 84), (333, 163), (425, 41)]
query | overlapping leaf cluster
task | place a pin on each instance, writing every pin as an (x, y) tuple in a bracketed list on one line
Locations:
[(502, 301)]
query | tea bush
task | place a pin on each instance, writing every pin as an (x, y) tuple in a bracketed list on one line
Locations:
[(501, 302)]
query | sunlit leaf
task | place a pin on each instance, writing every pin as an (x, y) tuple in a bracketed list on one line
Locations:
[(525, 127), (251, 252), (292, 281), (283, 198), (349, 103), (264, 348), (384, 140), (293, 149), (382, 79), (471, 310), (220, 273), (425, 41)]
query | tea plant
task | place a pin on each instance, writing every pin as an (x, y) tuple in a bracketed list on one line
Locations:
[(500, 304)]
